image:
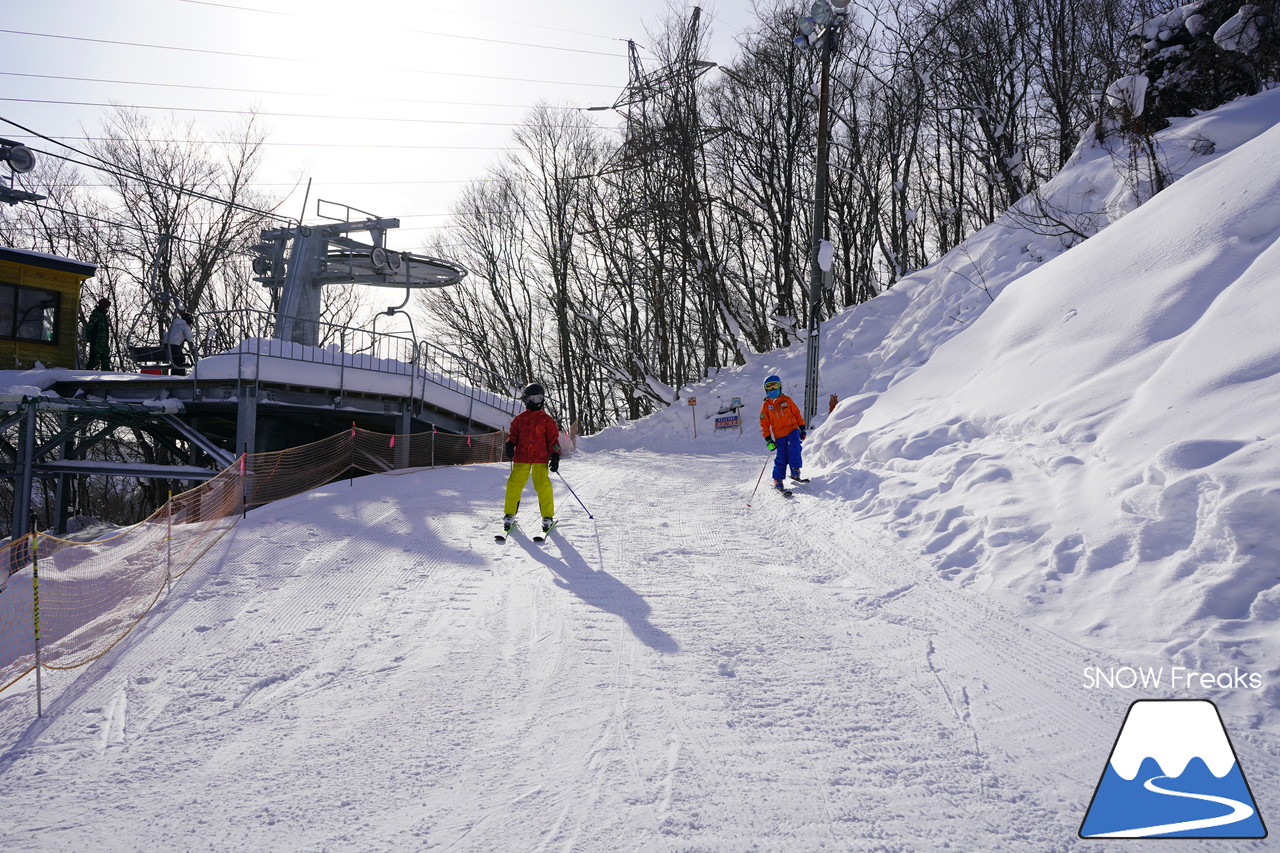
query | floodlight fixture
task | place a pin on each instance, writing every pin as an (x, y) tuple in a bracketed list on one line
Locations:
[(18, 156), (807, 26), (821, 12)]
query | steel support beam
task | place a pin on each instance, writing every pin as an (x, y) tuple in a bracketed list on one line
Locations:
[(22, 482), (217, 454), (247, 420)]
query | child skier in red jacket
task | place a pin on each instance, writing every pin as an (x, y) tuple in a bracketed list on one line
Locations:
[(533, 445)]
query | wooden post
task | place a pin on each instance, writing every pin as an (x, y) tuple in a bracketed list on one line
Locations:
[(35, 613)]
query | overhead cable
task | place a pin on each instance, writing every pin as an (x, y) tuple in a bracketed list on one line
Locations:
[(121, 171), (270, 58), (283, 115), (411, 30)]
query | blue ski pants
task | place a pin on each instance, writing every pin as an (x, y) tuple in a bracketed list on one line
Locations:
[(788, 454)]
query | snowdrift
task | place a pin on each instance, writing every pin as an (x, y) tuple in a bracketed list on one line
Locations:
[(1086, 428)]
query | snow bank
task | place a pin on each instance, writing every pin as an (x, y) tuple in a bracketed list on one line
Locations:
[(1101, 443)]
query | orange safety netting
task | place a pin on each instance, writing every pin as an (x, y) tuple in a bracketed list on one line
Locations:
[(91, 594)]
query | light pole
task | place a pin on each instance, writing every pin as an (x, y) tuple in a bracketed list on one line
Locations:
[(820, 30)]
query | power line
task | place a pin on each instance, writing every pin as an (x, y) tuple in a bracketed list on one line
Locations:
[(322, 183), (280, 115), (295, 59), (126, 225), (414, 31), (119, 171), (144, 230), (464, 14), (283, 144), (326, 95)]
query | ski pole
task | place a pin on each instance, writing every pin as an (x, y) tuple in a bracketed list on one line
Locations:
[(575, 495), (758, 479)]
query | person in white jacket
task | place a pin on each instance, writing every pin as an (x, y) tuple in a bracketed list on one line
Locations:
[(179, 340)]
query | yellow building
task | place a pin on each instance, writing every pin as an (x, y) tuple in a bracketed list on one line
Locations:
[(39, 308)]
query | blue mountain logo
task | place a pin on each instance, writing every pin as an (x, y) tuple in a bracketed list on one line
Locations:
[(1173, 774)]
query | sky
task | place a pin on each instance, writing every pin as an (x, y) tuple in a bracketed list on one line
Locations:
[(387, 106)]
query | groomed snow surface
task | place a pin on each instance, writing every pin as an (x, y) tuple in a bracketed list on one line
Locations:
[(1052, 458), (363, 668)]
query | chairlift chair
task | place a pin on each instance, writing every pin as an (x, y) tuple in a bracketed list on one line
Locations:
[(153, 358)]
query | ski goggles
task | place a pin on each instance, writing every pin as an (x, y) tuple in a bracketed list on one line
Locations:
[(773, 386), (533, 398)]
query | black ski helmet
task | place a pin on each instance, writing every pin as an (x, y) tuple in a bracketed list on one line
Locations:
[(533, 396)]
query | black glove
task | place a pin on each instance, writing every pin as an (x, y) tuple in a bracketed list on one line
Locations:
[(509, 451), (803, 434), (768, 442), (554, 465)]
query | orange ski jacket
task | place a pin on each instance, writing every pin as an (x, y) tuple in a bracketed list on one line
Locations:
[(535, 435), (780, 416)]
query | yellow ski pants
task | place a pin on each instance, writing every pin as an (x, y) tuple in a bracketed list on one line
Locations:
[(520, 472)]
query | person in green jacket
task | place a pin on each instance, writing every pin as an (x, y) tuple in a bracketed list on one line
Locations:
[(98, 333)]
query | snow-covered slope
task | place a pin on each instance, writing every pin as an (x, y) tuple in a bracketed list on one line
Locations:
[(1087, 431), (361, 668)]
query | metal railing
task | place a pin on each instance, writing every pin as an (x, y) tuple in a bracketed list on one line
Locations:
[(249, 336), (450, 370)]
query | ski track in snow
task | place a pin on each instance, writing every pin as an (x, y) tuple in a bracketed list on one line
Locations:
[(362, 668)]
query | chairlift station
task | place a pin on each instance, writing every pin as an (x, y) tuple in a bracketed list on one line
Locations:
[(276, 390)]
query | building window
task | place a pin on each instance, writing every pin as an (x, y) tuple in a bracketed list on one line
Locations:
[(28, 314)]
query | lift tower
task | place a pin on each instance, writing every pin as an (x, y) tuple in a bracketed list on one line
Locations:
[(302, 259)]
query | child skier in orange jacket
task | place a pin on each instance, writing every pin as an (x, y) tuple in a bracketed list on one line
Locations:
[(782, 423)]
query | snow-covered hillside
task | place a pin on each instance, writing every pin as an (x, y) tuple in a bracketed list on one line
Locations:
[(1087, 432)]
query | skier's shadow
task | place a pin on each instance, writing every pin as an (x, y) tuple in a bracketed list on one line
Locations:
[(604, 592)]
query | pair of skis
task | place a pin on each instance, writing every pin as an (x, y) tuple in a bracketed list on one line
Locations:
[(501, 538), (788, 493)]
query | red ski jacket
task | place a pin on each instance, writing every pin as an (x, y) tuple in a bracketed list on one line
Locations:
[(535, 435)]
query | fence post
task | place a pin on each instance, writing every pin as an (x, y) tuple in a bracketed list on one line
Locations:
[(168, 546), (35, 614)]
